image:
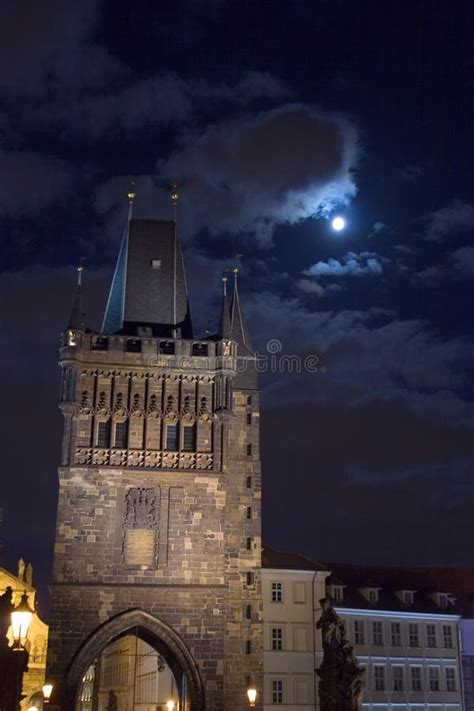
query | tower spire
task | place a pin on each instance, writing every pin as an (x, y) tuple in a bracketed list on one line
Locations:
[(174, 195), (225, 328), (239, 329), (76, 319), (131, 196)]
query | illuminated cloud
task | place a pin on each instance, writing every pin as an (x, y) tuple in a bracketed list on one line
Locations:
[(247, 176), (352, 264)]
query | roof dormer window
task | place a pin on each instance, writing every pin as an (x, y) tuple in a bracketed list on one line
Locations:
[(408, 597), (442, 599), (370, 594), (336, 592)]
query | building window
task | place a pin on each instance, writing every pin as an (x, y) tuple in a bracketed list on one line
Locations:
[(249, 482), (397, 673), (249, 400), (103, 434), (379, 678), (172, 438), (277, 592), (433, 676), (99, 343), (448, 636), (373, 596), (249, 543), (248, 612), (277, 639), (250, 578), (249, 512), (431, 635), (248, 647), (450, 679), (299, 592), (413, 639), (443, 599), (167, 347), (249, 418), (396, 631), (408, 597), (359, 634), (277, 691), (415, 673), (133, 345), (189, 438), (121, 435), (337, 593), (199, 349), (249, 450), (377, 633)]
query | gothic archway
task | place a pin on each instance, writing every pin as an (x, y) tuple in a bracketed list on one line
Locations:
[(153, 632)]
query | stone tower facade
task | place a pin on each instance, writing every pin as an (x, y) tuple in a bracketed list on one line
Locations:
[(159, 521)]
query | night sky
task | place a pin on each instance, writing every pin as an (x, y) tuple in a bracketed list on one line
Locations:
[(273, 116)]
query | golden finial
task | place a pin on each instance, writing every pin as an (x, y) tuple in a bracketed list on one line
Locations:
[(224, 285), (131, 189), (174, 195), (235, 271)]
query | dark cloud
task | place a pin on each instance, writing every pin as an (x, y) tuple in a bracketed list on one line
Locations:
[(281, 167), (449, 219), (352, 264), (463, 259), (32, 181), (430, 276), (377, 227)]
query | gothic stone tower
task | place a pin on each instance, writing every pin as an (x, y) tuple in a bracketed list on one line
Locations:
[(158, 528)]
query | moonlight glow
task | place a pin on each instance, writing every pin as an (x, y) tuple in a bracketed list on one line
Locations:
[(338, 223)]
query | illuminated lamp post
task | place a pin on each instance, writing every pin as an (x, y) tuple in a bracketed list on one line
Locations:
[(13, 660), (47, 690), (252, 696)]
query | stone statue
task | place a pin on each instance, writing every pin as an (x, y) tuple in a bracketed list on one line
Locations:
[(340, 676), (112, 702), (21, 569), (6, 607), (29, 575)]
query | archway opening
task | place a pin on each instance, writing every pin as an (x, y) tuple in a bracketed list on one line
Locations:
[(134, 672)]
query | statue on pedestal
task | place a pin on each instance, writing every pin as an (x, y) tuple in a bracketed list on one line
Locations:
[(340, 676)]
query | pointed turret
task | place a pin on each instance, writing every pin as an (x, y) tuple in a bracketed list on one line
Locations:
[(148, 293), (225, 327), (239, 329), (76, 319)]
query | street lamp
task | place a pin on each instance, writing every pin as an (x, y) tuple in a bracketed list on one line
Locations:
[(252, 696), (170, 705), (21, 619), (47, 690)]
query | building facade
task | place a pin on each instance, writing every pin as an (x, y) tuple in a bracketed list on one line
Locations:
[(159, 527), (292, 587), (404, 628)]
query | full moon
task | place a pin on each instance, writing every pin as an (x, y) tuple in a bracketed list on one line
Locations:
[(338, 223)]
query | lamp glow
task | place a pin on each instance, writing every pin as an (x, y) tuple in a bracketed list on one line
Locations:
[(338, 223), (170, 705), (252, 696), (47, 690), (21, 618)]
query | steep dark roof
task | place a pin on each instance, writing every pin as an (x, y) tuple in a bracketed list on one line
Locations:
[(286, 560), (240, 332), (423, 581), (76, 319), (225, 328), (149, 283)]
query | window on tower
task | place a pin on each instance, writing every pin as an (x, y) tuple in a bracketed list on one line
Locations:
[(103, 435), (172, 438), (189, 438), (121, 435)]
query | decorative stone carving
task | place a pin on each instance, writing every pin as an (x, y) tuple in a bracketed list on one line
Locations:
[(141, 508), (118, 457), (204, 461), (136, 408), (135, 458), (153, 459), (153, 409)]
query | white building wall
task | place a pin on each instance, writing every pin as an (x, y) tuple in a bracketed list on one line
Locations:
[(289, 678), (397, 657)]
